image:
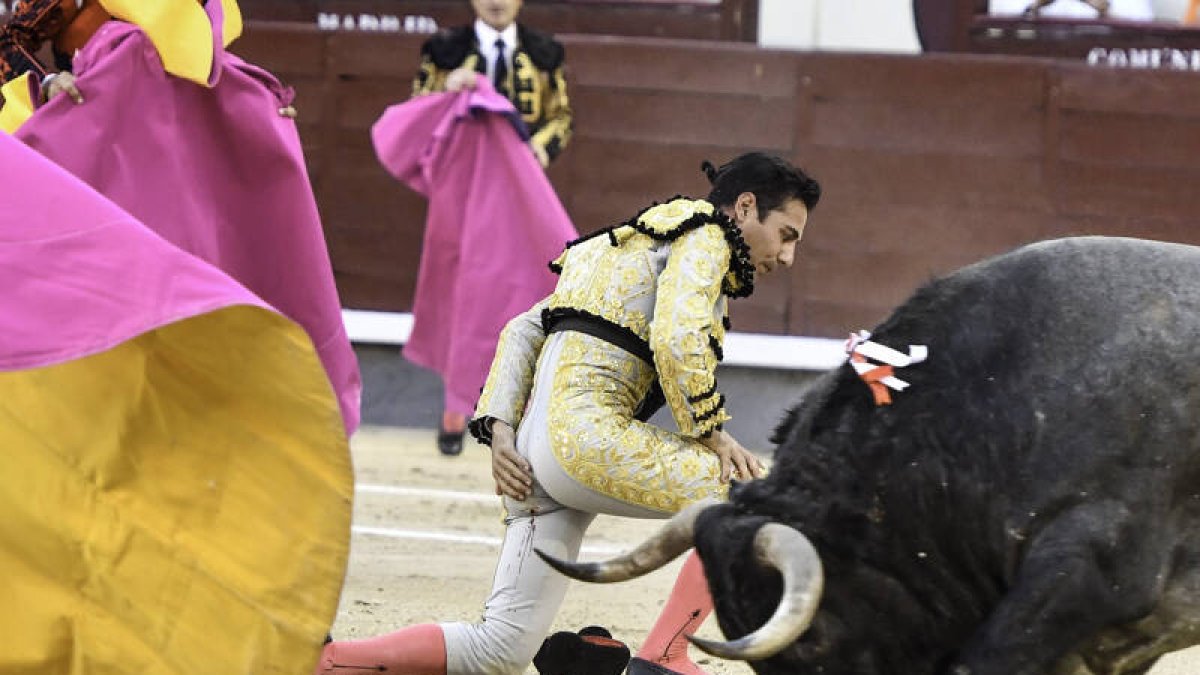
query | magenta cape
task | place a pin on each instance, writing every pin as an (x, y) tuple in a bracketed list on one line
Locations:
[(176, 486), (80, 275), (494, 224), (215, 171)]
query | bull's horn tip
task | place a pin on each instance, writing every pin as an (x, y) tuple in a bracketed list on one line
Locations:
[(549, 559), (573, 570), (714, 647)]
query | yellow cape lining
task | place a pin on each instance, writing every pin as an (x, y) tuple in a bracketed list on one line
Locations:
[(18, 104), (180, 31), (177, 504)]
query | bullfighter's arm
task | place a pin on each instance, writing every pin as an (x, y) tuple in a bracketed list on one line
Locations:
[(429, 78), (33, 23), (511, 377), (680, 334), (555, 132)]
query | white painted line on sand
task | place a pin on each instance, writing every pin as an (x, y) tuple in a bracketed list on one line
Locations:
[(457, 495), (598, 549)]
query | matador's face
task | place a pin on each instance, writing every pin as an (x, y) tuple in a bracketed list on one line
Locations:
[(772, 240), (498, 14)]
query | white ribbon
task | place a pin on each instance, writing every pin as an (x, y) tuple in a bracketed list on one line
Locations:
[(860, 343)]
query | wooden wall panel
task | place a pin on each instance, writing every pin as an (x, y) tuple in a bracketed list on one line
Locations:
[(868, 257), (734, 20), (629, 20), (915, 230), (636, 175), (375, 242), (933, 80), (1146, 226), (868, 286), (360, 102), (927, 163), (920, 128), (981, 182), (1129, 192), (618, 63), (766, 311), (1127, 140), (1160, 92), (673, 119), (365, 56), (301, 52)]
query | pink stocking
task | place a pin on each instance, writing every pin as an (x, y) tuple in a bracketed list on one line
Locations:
[(416, 650), (689, 605)]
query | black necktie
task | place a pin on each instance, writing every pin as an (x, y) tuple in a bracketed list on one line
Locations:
[(500, 74)]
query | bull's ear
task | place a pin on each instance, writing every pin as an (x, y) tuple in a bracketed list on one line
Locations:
[(798, 421)]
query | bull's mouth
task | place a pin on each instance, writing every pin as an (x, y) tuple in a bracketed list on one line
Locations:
[(775, 546)]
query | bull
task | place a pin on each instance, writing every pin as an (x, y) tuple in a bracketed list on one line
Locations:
[(1030, 504)]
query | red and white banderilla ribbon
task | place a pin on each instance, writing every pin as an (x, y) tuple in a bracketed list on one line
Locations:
[(881, 377)]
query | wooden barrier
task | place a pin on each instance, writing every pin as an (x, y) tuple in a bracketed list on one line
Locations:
[(693, 19), (928, 162)]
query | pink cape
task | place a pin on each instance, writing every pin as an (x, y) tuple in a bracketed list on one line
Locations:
[(215, 171), (171, 445), (80, 275), (494, 224)]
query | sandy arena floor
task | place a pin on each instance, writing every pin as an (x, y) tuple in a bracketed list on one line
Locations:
[(427, 530)]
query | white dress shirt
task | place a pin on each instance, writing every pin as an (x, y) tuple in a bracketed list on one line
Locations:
[(486, 35)]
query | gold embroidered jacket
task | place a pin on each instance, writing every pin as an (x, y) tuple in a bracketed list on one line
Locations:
[(536, 85), (661, 282)]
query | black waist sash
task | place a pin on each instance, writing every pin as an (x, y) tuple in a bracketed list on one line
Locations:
[(620, 337), (606, 331)]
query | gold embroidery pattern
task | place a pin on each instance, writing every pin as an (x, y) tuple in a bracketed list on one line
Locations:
[(555, 131), (598, 444), (432, 79), (539, 96), (664, 283), (616, 283), (525, 94), (511, 377), (688, 310), (676, 276), (664, 218)]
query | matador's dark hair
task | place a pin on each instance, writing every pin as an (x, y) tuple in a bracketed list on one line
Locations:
[(771, 179)]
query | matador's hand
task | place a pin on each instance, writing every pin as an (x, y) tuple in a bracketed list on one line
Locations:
[(540, 153), (62, 83), (735, 460), (461, 78), (513, 475)]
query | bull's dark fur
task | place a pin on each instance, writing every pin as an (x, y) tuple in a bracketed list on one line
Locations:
[(1031, 504)]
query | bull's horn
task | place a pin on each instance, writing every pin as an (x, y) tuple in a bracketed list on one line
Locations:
[(673, 539), (790, 552)]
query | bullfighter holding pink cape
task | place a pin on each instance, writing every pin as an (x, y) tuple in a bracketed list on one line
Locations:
[(176, 484), (197, 145), (493, 225)]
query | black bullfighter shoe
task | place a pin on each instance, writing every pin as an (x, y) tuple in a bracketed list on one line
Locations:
[(591, 651)]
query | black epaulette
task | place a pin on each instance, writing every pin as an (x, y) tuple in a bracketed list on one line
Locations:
[(545, 52), (449, 47)]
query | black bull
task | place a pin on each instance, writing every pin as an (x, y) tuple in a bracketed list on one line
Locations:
[(1031, 504)]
